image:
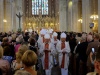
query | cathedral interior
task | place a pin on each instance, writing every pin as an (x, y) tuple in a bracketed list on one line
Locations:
[(59, 15), (50, 37)]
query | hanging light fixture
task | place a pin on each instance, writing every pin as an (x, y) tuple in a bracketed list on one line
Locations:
[(94, 16), (80, 20)]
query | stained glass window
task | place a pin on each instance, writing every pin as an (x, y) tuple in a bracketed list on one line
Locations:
[(38, 5)]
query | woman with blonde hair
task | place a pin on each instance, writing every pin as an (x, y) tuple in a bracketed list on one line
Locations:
[(22, 49), (29, 59), (17, 64)]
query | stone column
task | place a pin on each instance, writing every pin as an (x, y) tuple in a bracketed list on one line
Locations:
[(86, 16), (62, 15), (13, 17), (1, 15), (75, 25), (8, 16), (69, 15), (99, 16)]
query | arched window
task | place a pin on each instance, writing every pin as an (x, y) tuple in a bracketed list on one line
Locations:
[(39, 5)]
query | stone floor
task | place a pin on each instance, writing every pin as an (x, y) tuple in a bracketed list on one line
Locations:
[(55, 71)]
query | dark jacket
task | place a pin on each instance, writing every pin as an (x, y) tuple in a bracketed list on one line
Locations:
[(81, 50), (91, 45)]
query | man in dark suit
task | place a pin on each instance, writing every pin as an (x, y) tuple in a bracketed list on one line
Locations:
[(95, 44), (82, 57)]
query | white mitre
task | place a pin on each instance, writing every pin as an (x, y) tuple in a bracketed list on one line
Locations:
[(50, 31), (63, 35), (55, 34), (47, 36), (43, 32)]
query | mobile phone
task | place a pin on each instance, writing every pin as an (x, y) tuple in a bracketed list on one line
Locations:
[(93, 50), (79, 42)]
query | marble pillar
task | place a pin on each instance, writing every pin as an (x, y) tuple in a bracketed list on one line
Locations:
[(99, 16), (13, 13), (75, 26), (86, 16), (8, 16), (69, 15), (62, 15), (1, 15)]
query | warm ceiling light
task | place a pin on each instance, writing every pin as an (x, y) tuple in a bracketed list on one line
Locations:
[(94, 17), (80, 20), (4, 20)]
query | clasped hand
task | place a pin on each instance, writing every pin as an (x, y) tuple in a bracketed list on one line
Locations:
[(64, 51)]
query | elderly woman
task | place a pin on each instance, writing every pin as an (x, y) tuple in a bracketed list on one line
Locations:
[(4, 64), (29, 59), (19, 40), (22, 49)]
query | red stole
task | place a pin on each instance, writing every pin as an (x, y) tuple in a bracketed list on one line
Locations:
[(63, 58), (46, 64), (43, 39)]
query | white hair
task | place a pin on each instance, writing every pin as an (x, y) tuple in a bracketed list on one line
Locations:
[(19, 38)]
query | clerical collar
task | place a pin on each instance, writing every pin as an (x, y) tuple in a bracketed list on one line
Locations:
[(63, 42), (47, 42), (55, 39)]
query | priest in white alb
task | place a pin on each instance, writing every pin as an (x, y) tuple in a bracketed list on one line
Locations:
[(63, 49), (47, 51)]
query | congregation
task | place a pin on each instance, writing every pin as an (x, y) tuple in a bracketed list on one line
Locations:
[(49, 53)]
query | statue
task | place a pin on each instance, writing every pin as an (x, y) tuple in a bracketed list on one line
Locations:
[(19, 16)]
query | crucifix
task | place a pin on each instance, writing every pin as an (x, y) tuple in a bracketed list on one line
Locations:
[(19, 16)]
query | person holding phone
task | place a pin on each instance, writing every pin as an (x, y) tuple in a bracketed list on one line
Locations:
[(94, 44), (96, 63)]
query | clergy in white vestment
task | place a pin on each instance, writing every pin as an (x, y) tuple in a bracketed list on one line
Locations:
[(63, 49), (41, 38), (50, 32), (47, 50), (54, 39)]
